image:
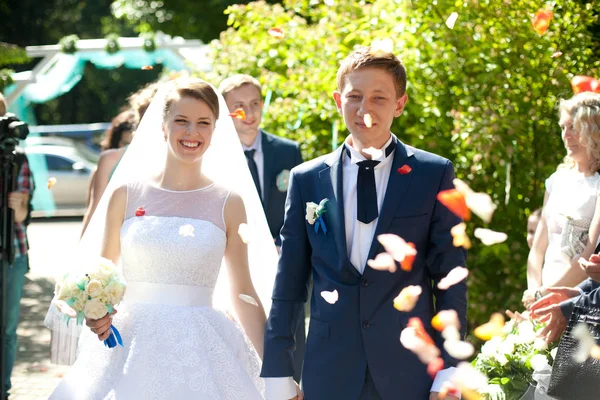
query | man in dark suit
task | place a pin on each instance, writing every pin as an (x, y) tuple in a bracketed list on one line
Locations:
[(270, 159), (374, 184)]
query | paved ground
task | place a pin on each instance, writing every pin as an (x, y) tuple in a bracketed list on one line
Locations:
[(34, 377)]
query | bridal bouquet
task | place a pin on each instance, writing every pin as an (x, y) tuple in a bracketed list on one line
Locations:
[(515, 361), (92, 295)]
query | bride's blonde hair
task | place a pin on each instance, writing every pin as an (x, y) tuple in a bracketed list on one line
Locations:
[(584, 110)]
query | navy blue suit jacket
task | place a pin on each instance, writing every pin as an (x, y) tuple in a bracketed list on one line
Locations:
[(362, 328), (279, 154)]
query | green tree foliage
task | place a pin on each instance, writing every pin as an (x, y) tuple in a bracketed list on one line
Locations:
[(483, 94)]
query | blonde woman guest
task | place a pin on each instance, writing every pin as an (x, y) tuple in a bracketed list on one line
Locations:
[(570, 225)]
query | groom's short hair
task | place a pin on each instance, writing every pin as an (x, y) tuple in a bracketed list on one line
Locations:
[(236, 82), (367, 57)]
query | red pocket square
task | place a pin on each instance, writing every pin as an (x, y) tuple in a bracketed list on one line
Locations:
[(405, 169)]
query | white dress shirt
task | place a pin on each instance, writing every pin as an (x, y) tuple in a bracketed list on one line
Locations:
[(259, 159), (358, 241)]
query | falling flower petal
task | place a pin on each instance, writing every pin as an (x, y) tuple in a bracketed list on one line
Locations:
[(368, 120), (490, 237), (51, 182), (248, 299), (468, 380), (491, 328), (455, 276), (444, 319), (416, 323), (435, 366), (595, 352), (140, 212), (396, 246), (480, 203), (147, 67), (405, 169), (455, 202), (451, 20), (330, 297), (329, 3), (541, 21), (556, 54), (382, 47), (448, 388), (383, 262), (412, 340), (459, 236), (186, 230), (244, 232), (373, 152), (407, 299), (451, 333), (277, 33), (409, 259), (586, 342), (585, 84), (459, 349), (238, 114)]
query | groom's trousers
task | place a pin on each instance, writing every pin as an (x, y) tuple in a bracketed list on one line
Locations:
[(369, 392)]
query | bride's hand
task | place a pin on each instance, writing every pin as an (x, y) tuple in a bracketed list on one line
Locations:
[(299, 394), (101, 327)]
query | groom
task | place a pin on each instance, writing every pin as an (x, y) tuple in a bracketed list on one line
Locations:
[(353, 349)]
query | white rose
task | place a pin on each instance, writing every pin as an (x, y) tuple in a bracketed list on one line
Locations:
[(68, 289), (104, 272), (539, 361), (311, 212), (501, 358), (526, 333), (113, 293), (95, 309), (81, 299), (490, 348), (507, 347), (93, 288), (553, 352), (540, 344)]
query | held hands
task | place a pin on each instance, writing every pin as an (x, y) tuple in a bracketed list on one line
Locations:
[(101, 327), (591, 267)]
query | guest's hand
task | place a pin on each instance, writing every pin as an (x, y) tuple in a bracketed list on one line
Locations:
[(591, 266), (528, 298), (101, 327), (435, 396), (16, 200), (299, 394), (556, 322), (556, 296)]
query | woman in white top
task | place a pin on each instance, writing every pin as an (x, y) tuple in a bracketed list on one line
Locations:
[(570, 225)]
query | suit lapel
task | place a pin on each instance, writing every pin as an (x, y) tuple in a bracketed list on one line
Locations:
[(268, 166), (331, 179), (395, 192)]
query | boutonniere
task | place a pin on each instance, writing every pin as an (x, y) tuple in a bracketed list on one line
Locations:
[(405, 169), (283, 180), (314, 215)]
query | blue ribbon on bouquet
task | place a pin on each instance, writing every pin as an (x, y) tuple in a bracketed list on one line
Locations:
[(114, 338), (319, 222)]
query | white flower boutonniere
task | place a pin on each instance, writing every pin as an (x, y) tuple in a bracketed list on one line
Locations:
[(283, 180), (314, 214)]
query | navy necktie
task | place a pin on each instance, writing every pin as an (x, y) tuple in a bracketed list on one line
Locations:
[(366, 190), (253, 170)]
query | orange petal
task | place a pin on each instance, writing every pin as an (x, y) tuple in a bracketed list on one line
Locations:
[(409, 259), (585, 84), (239, 114), (434, 367), (51, 182), (147, 67), (277, 33), (541, 21), (444, 319), (417, 324), (455, 201), (396, 246), (492, 328), (460, 237)]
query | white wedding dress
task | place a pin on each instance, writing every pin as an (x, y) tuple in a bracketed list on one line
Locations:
[(176, 346)]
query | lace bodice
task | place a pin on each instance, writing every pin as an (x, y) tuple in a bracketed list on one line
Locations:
[(179, 240)]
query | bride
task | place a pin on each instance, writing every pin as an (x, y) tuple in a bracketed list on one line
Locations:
[(170, 219)]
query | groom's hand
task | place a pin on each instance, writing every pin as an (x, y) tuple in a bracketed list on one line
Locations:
[(436, 396)]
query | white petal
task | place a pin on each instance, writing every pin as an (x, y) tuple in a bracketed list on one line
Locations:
[(411, 341), (248, 299), (451, 333), (459, 349), (482, 205), (396, 246), (453, 277), (467, 377), (490, 237), (330, 297), (586, 342), (368, 120), (186, 230), (373, 152), (451, 20), (407, 299), (244, 232), (383, 262), (382, 46)]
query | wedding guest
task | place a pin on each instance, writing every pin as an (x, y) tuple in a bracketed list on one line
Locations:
[(374, 184), (570, 224), (109, 159), (270, 159), (532, 224)]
